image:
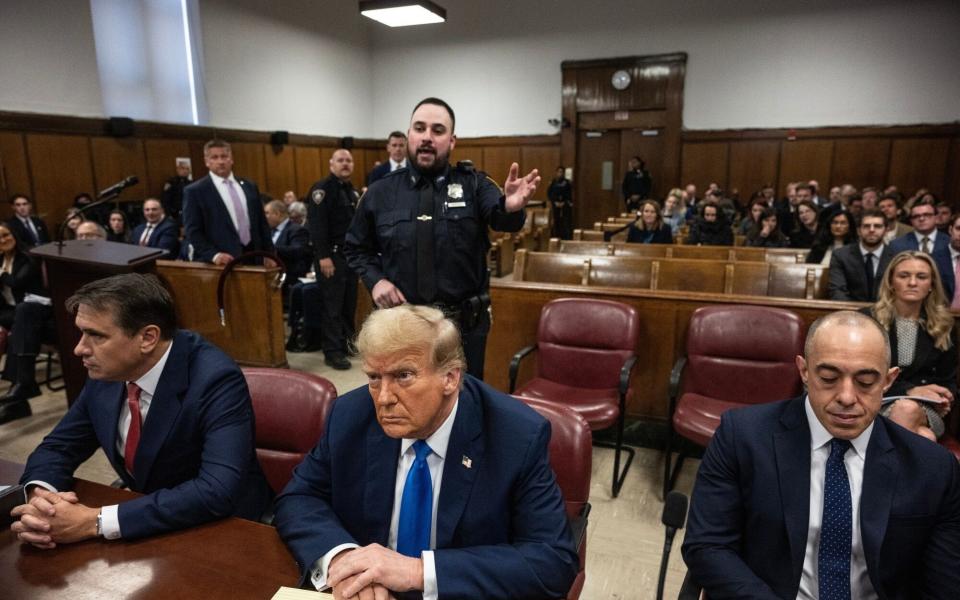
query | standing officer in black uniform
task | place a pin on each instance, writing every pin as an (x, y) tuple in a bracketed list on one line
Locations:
[(560, 194), (636, 184), (172, 198), (420, 234), (333, 202)]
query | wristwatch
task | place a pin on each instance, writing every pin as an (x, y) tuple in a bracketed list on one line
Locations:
[(100, 524)]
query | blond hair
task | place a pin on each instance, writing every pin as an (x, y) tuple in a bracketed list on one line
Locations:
[(408, 327), (938, 321)]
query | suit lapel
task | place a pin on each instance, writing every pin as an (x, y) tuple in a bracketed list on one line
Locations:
[(466, 442), (110, 400), (792, 449), (383, 454), (880, 473), (164, 408)]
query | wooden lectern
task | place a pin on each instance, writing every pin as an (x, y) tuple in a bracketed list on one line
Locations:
[(70, 266)]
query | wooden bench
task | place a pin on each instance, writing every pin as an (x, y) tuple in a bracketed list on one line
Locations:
[(782, 255), (681, 274)]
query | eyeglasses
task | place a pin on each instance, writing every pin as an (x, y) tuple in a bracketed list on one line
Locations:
[(925, 215)]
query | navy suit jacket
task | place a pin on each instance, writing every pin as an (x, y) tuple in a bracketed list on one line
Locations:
[(23, 234), (196, 460), (501, 527), (293, 248), (378, 171), (207, 224), (747, 533), (940, 255), (165, 235)]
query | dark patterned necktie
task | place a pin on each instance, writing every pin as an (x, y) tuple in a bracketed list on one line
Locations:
[(836, 530)]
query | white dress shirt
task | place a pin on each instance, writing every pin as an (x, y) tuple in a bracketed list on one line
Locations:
[(110, 522), (876, 252), (220, 184), (853, 460), (278, 230), (394, 165), (438, 443), (932, 236)]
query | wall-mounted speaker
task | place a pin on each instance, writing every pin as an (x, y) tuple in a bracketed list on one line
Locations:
[(280, 138), (347, 143), (120, 126)]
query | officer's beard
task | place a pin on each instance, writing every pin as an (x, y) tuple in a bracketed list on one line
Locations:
[(438, 166)]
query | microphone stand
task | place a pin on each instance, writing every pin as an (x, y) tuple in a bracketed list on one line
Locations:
[(98, 202)]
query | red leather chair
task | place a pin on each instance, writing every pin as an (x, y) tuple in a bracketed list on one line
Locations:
[(586, 354), (571, 457), (736, 356), (290, 408)]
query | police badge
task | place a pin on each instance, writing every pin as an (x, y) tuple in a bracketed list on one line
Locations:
[(455, 191), (318, 196)]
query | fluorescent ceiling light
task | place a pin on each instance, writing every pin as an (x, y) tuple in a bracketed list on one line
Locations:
[(402, 13)]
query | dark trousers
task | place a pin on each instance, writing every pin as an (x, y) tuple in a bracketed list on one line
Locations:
[(475, 344), (562, 221), (338, 305), (30, 320)]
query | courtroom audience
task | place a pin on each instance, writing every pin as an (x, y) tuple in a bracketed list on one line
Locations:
[(765, 233), (855, 207), (711, 227), (29, 229), (649, 228), (118, 231), (835, 233), (889, 205), (289, 197), (675, 210), (913, 308), (157, 230), (870, 198), (290, 241), (805, 231), (91, 230), (298, 212), (72, 220), (944, 212), (757, 205)]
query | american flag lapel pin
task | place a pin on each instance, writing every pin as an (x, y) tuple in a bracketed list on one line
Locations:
[(467, 462)]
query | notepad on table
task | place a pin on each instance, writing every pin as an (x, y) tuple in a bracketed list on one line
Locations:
[(289, 593)]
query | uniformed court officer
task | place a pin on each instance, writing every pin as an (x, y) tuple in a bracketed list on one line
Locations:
[(333, 202), (560, 194), (636, 184), (420, 233), (172, 198)]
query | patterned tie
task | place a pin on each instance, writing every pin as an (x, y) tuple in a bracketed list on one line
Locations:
[(416, 505), (925, 244), (426, 274), (836, 529), (243, 226), (133, 432), (145, 238)]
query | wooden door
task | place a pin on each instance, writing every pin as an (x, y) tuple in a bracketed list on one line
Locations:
[(599, 174), (648, 145)]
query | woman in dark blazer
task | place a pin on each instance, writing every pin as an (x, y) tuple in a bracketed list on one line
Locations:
[(649, 228), (19, 275), (765, 233), (117, 228)]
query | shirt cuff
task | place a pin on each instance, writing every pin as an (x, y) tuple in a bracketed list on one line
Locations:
[(37, 482), (430, 591), (110, 522), (318, 572)]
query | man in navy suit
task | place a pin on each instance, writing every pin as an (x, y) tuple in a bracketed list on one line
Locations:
[(28, 228), (817, 496), (193, 458), (926, 238), (158, 230), (397, 149), (222, 215), (427, 480)]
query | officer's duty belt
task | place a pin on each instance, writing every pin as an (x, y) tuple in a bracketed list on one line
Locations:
[(467, 313)]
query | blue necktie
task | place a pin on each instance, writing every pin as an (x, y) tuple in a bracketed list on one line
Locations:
[(836, 531), (416, 505)]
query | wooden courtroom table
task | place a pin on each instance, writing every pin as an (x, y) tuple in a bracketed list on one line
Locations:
[(230, 558)]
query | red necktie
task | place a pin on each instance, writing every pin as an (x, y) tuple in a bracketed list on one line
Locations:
[(133, 433)]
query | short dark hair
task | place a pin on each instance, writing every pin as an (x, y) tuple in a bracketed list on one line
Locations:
[(438, 102), (397, 134), (14, 198), (136, 300), (804, 186), (894, 197), (872, 212)]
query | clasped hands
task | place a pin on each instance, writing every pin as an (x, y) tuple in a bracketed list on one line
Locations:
[(52, 518), (372, 572)]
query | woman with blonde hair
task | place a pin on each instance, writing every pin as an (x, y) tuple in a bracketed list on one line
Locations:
[(675, 210), (912, 307)]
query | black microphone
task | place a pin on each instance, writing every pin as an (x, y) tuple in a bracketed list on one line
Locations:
[(118, 187), (674, 517)]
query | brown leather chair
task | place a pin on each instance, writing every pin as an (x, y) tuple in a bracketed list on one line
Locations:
[(290, 409), (571, 457), (586, 355), (736, 356)]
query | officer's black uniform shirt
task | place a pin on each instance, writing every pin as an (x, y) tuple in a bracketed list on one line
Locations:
[(636, 183), (172, 197), (332, 206), (560, 190), (381, 242)]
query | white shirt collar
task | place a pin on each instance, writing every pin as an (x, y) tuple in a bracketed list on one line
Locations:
[(932, 236), (149, 381), (819, 436), (394, 165), (440, 439), (876, 252), (223, 180)]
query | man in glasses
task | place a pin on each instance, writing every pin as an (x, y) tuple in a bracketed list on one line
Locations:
[(926, 238)]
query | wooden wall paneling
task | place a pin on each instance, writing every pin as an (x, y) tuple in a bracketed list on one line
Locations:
[(60, 168), (309, 171), (703, 163), (161, 158), (752, 164), (371, 157), (14, 171), (919, 162), (861, 162), (952, 192), (497, 161), (647, 90), (546, 159), (115, 159), (672, 133), (281, 170), (249, 162), (198, 167), (326, 153), (803, 160), (360, 169), (471, 152)]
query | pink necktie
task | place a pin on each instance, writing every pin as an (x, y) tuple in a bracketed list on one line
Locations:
[(955, 305), (243, 226)]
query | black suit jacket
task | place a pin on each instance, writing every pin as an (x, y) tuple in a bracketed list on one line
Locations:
[(23, 234), (293, 247), (378, 172), (165, 235), (26, 278), (848, 277), (207, 224), (749, 513)]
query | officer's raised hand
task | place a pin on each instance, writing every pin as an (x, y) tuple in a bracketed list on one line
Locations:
[(518, 190)]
